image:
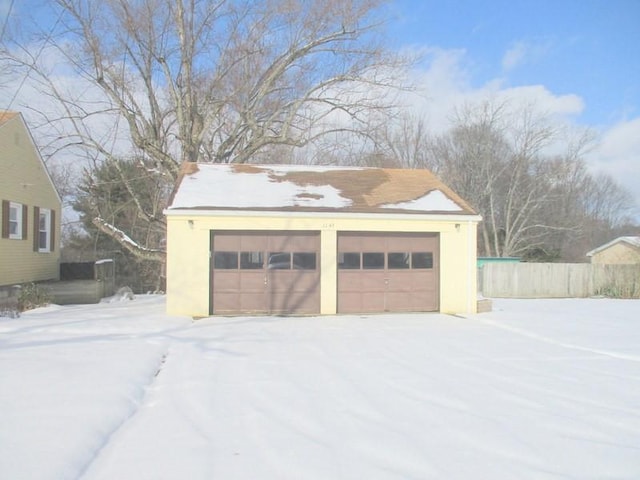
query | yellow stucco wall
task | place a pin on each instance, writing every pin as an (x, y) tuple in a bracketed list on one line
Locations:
[(618, 253), (23, 179), (188, 254)]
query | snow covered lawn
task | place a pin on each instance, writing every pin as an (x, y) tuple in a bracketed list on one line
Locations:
[(542, 389)]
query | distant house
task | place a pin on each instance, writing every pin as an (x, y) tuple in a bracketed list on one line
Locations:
[(31, 207), (622, 250), (281, 239)]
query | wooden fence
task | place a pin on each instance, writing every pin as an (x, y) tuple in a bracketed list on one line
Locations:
[(559, 280)]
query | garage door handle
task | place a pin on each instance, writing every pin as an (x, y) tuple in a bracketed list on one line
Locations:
[(265, 279)]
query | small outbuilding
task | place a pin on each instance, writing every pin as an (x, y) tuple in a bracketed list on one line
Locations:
[(285, 239), (622, 250)]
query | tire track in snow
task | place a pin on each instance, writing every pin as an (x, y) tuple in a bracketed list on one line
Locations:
[(136, 404), (551, 341)]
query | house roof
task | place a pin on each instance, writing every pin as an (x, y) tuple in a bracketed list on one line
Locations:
[(631, 240), (313, 188), (6, 115)]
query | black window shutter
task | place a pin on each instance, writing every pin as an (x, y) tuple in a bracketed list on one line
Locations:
[(25, 214), (5, 218), (36, 228), (53, 231)]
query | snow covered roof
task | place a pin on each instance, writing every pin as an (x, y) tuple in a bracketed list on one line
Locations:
[(631, 240), (313, 188)]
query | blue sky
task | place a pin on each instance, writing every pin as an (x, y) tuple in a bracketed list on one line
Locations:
[(589, 48), (577, 60)]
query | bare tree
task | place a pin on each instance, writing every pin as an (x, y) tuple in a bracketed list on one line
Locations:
[(605, 202), (6, 66), (473, 159), (497, 157), (403, 142), (211, 80)]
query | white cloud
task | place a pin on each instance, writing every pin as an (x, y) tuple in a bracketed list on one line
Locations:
[(622, 140), (445, 83), (618, 154), (521, 53), (544, 100), (514, 56)]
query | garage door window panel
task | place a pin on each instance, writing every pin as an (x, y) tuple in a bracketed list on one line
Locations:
[(279, 261), (349, 261), (373, 261), (251, 260), (398, 260), (225, 260), (304, 261), (422, 260)]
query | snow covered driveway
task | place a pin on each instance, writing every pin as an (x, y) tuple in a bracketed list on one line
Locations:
[(544, 389)]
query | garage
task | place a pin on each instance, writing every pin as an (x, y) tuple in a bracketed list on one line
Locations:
[(265, 272), (387, 272), (317, 240)]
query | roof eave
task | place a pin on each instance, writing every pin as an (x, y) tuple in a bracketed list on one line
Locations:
[(23, 123), (405, 215), (591, 253)]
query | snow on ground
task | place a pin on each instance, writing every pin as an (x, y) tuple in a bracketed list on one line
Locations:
[(537, 389)]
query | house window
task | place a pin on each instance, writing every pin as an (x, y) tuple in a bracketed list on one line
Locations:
[(44, 230), (15, 220)]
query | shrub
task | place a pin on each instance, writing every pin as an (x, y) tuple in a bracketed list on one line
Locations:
[(32, 296), (616, 291), (9, 312)]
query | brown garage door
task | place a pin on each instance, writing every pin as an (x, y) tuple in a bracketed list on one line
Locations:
[(394, 272), (265, 273)]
